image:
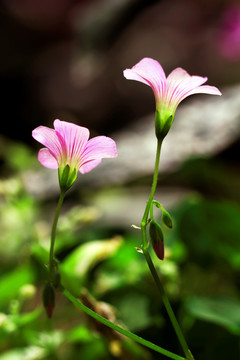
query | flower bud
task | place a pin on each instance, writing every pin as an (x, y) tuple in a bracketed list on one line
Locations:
[(48, 297), (156, 236), (166, 218)]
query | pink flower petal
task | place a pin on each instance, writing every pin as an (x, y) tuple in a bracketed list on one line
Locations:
[(68, 145), (99, 147), (73, 138), (179, 84), (171, 91), (47, 159), (179, 81), (48, 138), (88, 166), (176, 76), (205, 89), (150, 72)]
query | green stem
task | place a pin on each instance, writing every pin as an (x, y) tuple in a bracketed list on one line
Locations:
[(153, 271), (117, 328), (149, 202), (150, 264), (85, 308), (168, 307), (53, 235)]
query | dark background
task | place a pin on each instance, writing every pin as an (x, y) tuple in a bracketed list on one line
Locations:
[(64, 59)]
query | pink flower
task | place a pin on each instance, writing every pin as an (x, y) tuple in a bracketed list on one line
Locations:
[(69, 150), (170, 91)]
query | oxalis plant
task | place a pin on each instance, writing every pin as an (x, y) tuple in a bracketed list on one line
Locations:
[(68, 149)]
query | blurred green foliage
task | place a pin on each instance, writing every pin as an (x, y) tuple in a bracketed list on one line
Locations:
[(101, 266)]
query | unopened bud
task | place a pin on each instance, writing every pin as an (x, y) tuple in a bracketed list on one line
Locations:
[(56, 279), (48, 297), (156, 236), (167, 219)]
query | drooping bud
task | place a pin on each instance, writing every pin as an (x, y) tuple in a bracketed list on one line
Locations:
[(166, 218), (156, 236), (48, 297)]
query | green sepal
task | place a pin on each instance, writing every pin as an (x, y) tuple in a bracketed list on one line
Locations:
[(66, 177), (162, 126), (63, 175)]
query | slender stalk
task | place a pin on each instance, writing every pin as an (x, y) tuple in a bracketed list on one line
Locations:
[(153, 271), (153, 189), (168, 307), (85, 308), (150, 264), (53, 235), (117, 328)]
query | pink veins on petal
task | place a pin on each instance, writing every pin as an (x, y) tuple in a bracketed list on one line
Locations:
[(68, 144), (170, 91)]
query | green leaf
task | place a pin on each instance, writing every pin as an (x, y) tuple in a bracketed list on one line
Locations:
[(11, 283), (125, 268), (218, 310), (130, 306), (80, 334), (98, 350), (18, 156), (41, 253), (86, 256), (27, 318), (210, 230)]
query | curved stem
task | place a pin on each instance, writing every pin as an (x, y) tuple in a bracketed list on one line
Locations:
[(153, 271), (117, 328), (53, 235)]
